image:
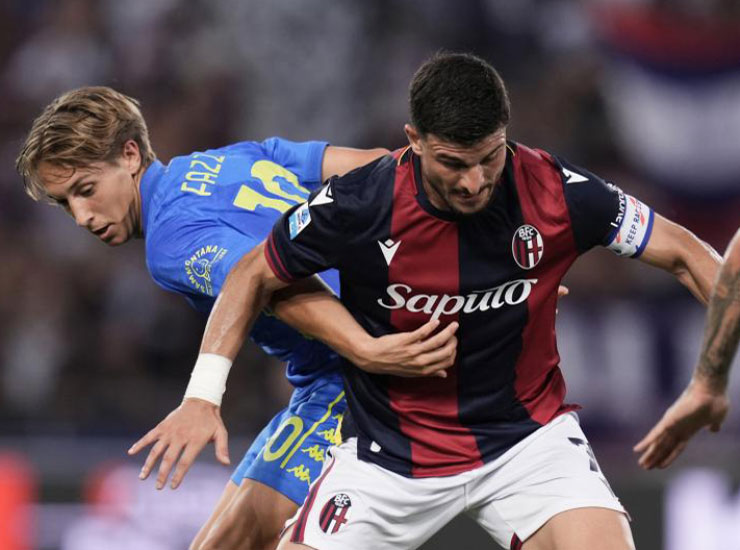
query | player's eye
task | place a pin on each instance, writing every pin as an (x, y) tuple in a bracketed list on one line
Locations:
[(453, 165), (87, 191)]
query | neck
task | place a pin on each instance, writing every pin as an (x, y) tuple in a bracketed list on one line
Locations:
[(433, 196), (137, 213)]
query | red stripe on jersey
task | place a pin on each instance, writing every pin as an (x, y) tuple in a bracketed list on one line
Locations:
[(299, 530), (275, 263), (427, 408), (539, 384)]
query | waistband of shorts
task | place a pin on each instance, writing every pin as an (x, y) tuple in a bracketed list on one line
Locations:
[(326, 387)]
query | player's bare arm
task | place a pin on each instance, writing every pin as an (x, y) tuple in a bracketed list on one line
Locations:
[(704, 403), (678, 251), (722, 330), (340, 160), (197, 421), (181, 436), (311, 308)]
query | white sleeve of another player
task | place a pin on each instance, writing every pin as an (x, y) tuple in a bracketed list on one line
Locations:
[(633, 230)]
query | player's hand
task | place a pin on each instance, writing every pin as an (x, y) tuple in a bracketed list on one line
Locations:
[(697, 407), (412, 354), (180, 437)]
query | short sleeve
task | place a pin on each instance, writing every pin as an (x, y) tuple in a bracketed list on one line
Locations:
[(304, 159), (602, 214), (308, 238)]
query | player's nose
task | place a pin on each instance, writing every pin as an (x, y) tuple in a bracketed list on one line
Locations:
[(473, 180), (82, 215)]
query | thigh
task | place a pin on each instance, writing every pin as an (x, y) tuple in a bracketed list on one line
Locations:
[(252, 520), (358, 505), (550, 472), (583, 529), (221, 505)]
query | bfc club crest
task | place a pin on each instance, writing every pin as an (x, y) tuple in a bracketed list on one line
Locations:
[(527, 247), (334, 513)]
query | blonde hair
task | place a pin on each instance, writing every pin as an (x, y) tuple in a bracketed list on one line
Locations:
[(82, 126)]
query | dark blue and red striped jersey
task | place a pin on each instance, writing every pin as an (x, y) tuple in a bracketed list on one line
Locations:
[(402, 261)]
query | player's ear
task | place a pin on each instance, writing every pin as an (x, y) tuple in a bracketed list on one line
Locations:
[(131, 156), (414, 138)]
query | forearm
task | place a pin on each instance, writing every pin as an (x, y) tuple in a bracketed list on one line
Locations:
[(677, 250), (310, 307), (722, 330), (243, 296), (698, 268)]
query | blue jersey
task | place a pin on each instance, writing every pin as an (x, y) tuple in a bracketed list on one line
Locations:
[(202, 212)]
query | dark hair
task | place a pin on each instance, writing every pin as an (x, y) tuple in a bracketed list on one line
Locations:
[(459, 98)]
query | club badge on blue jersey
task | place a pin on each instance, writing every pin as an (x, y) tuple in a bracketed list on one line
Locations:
[(199, 265), (527, 246), (299, 220)]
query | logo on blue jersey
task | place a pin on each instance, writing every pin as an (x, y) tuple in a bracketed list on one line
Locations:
[(299, 220), (198, 267)]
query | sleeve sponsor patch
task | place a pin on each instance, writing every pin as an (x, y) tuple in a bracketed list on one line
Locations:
[(299, 220), (633, 227), (199, 265)]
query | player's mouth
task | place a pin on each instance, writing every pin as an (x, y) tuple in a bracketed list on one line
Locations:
[(473, 200), (105, 233)]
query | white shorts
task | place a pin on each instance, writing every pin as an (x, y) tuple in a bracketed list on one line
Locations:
[(359, 505)]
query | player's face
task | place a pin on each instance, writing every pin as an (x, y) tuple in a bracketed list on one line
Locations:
[(102, 197), (460, 178)]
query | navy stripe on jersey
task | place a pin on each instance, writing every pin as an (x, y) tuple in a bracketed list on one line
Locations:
[(489, 264), (275, 263), (402, 261), (593, 205), (440, 444)]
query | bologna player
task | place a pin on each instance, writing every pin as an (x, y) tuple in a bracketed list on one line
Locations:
[(469, 228), (89, 152), (704, 402)]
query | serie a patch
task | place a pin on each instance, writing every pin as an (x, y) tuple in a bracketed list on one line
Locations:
[(299, 220)]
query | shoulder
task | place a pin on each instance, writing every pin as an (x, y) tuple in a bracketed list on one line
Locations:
[(537, 176), (367, 182), (537, 165)]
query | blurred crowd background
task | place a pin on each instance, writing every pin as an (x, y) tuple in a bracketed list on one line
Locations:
[(645, 93)]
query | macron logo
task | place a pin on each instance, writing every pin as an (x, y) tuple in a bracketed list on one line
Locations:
[(572, 177), (324, 196), (388, 248)]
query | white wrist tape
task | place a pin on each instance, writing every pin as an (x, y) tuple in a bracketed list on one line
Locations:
[(208, 379)]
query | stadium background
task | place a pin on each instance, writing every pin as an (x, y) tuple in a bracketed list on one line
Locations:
[(93, 354)]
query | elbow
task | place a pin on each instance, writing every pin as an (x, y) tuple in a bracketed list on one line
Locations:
[(732, 255)]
